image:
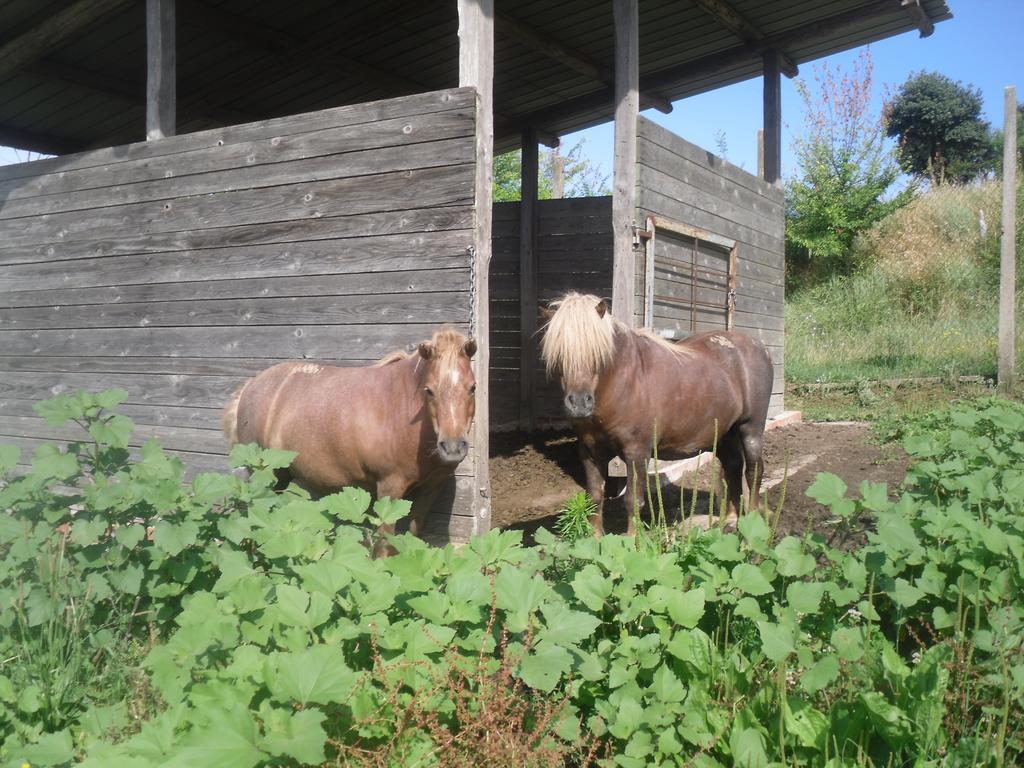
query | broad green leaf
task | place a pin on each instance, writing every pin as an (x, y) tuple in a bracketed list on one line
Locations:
[(48, 462), (666, 686), (349, 504), (227, 741), (693, 647), (755, 530), (109, 399), (114, 431), (827, 488), (51, 749), (848, 642), (820, 674), (591, 587), (9, 457), (519, 593), (390, 511), (544, 666), (749, 579), (298, 735), (628, 718), (793, 561), (777, 640), (748, 748), (684, 608), (805, 596), (317, 675), (805, 722), (85, 532), (904, 594), (208, 487), (172, 538), (567, 627)]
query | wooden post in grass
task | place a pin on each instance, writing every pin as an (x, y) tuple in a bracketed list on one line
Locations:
[(1007, 255)]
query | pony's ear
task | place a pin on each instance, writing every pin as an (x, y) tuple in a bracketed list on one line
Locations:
[(426, 350), (601, 308), (546, 312), (469, 348)]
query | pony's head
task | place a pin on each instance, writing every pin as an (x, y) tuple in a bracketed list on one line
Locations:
[(578, 345), (449, 389)]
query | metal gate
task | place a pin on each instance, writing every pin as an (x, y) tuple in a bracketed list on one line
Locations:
[(689, 279)]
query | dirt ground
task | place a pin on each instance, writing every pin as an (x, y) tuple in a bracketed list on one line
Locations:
[(532, 475)]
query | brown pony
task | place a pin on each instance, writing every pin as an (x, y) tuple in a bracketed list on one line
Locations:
[(623, 386), (397, 427)]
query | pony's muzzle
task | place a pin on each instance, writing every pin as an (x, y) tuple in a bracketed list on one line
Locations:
[(579, 405), (452, 451)]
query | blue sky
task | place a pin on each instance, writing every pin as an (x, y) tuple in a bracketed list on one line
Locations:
[(980, 46)]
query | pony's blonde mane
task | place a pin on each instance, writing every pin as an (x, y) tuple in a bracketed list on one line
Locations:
[(448, 344), (579, 340)]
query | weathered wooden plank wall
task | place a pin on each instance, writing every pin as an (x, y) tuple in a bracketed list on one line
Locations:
[(574, 244), (177, 268), (680, 181)]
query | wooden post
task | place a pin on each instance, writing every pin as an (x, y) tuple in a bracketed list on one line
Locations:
[(161, 60), (1007, 253), (558, 175), (627, 106), (528, 265), (772, 118), (476, 69), (760, 153)]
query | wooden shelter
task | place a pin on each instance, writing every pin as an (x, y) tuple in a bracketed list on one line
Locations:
[(242, 181)]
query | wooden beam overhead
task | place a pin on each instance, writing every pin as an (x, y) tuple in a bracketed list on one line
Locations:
[(32, 45), (31, 141), (919, 15), (533, 38), (705, 66), (746, 31)]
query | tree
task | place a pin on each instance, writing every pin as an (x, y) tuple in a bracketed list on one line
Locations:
[(846, 170), (582, 179), (940, 131), (997, 144)]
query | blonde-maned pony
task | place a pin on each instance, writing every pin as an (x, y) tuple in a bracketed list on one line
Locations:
[(397, 428), (623, 387)]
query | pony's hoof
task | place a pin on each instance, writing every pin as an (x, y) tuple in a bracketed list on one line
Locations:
[(383, 548)]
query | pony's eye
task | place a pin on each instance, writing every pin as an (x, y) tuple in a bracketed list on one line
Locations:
[(472, 389), (428, 391)]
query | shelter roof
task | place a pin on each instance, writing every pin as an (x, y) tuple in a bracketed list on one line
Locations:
[(73, 74)]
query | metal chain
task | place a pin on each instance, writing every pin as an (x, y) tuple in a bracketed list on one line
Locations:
[(471, 251)]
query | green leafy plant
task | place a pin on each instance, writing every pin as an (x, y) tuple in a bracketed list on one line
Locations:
[(573, 519)]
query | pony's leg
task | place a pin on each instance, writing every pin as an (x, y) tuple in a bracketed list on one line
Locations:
[(595, 466), (422, 501), (752, 437), (637, 461), (730, 453), (395, 488)]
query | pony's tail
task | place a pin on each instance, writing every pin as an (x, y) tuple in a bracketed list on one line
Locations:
[(230, 421)]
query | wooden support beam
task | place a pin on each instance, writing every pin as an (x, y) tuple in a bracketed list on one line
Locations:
[(627, 107), (574, 60), (161, 70), (528, 268), (32, 45), (919, 16), (1006, 371), (772, 119), (476, 69), (31, 141), (745, 30), (705, 66)]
